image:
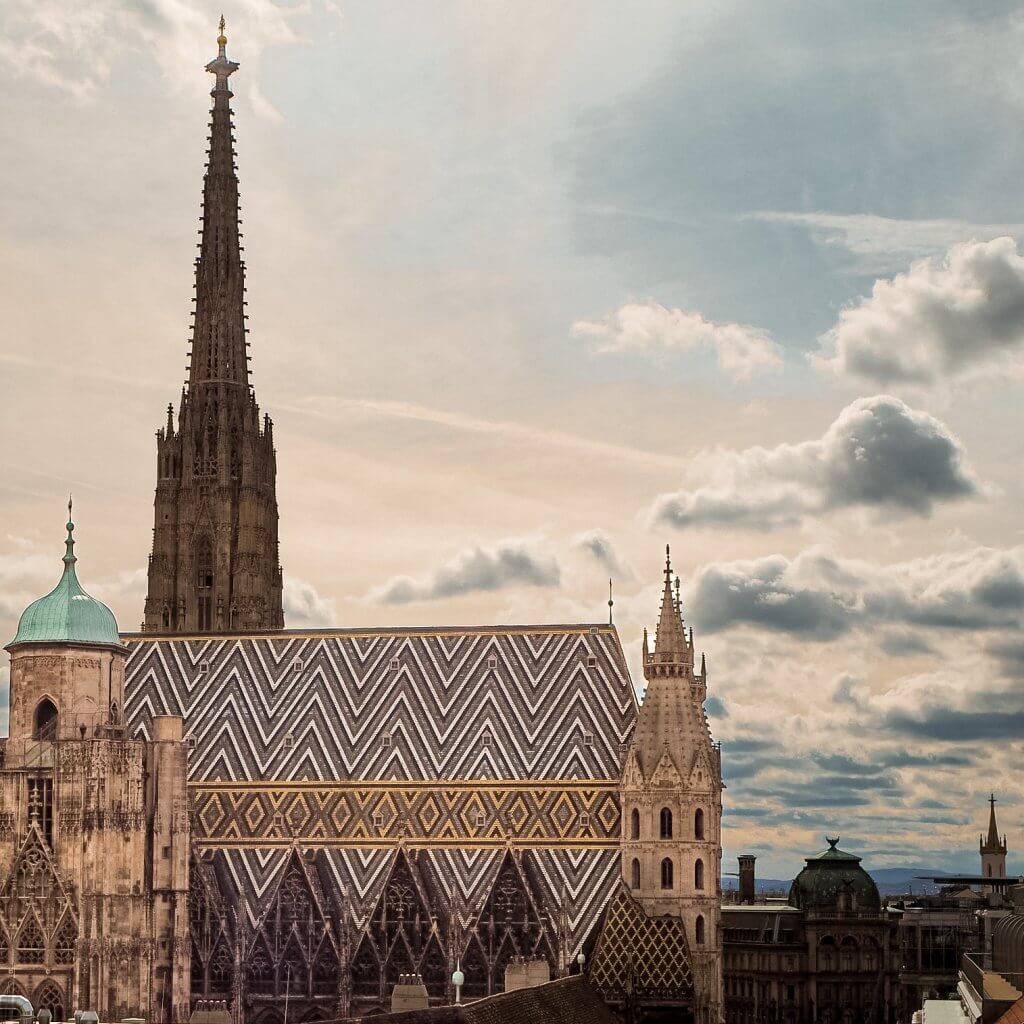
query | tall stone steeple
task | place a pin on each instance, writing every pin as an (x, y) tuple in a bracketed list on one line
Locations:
[(214, 566), (992, 849), (671, 795)]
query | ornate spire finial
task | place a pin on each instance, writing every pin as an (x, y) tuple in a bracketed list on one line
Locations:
[(221, 66), (832, 843), (69, 544), (611, 601)]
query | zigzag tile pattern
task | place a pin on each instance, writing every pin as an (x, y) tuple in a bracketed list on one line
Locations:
[(527, 725), (535, 703)]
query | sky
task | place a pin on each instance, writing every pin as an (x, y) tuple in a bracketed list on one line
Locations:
[(536, 289)]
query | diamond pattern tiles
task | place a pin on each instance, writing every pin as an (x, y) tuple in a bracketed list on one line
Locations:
[(366, 815), (640, 956), (531, 703)]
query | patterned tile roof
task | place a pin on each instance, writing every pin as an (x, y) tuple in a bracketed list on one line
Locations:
[(543, 702), (533, 704)]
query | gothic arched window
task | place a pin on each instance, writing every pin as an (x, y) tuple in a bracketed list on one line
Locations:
[(65, 941), (44, 722), (699, 930), (666, 873), (666, 823), (634, 874), (698, 874), (31, 944), (49, 997), (634, 824), (698, 823)]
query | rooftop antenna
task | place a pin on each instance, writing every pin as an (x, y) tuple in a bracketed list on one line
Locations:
[(611, 601)]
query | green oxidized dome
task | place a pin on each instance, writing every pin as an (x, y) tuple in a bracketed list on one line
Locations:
[(67, 614), (830, 875)]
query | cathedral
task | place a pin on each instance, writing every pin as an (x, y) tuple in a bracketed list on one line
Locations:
[(217, 807)]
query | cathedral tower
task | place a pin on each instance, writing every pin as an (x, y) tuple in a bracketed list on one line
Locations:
[(992, 849), (672, 801), (214, 565), (94, 826)]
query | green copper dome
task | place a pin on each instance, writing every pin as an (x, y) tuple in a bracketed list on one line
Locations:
[(830, 876), (67, 614)]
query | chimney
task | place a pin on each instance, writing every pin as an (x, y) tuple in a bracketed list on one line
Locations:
[(747, 887)]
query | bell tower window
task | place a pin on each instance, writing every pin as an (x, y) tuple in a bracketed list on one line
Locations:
[(666, 873), (204, 584), (666, 823)]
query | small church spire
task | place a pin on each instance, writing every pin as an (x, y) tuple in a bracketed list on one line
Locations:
[(992, 842)]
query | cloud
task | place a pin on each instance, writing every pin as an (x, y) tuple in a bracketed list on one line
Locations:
[(73, 47), (598, 545), (816, 596), (510, 562), (742, 351), (883, 244), (1010, 655), (878, 453), (304, 606), (960, 318)]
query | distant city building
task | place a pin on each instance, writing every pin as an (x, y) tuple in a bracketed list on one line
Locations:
[(937, 931), (827, 955)]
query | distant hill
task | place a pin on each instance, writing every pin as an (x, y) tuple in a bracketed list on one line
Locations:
[(890, 881)]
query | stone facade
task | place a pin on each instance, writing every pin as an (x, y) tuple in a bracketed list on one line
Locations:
[(215, 564), (671, 796), (94, 839)]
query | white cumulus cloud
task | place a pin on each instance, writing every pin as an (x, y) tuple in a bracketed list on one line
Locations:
[(741, 350), (956, 318), (878, 453)]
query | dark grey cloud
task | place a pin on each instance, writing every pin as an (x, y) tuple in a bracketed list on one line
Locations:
[(1010, 655), (902, 645), (841, 763), (509, 562), (940, 321), (878, 454), (598, 545), (1004, 722), (747, 812), (715, 707), (813, 794), (818, 597), (904, 759), (757, 594)]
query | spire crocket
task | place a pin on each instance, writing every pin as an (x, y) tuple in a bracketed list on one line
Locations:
[(214, 566)]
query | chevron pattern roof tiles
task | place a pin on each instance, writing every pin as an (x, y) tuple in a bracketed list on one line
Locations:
[(541, 713)]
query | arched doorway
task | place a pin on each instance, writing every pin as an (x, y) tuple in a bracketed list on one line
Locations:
[(45, 720)]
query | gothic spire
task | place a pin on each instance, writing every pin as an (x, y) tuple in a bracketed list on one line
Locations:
[(670, 638), (992, 843), (218, 333), (214, 565)]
